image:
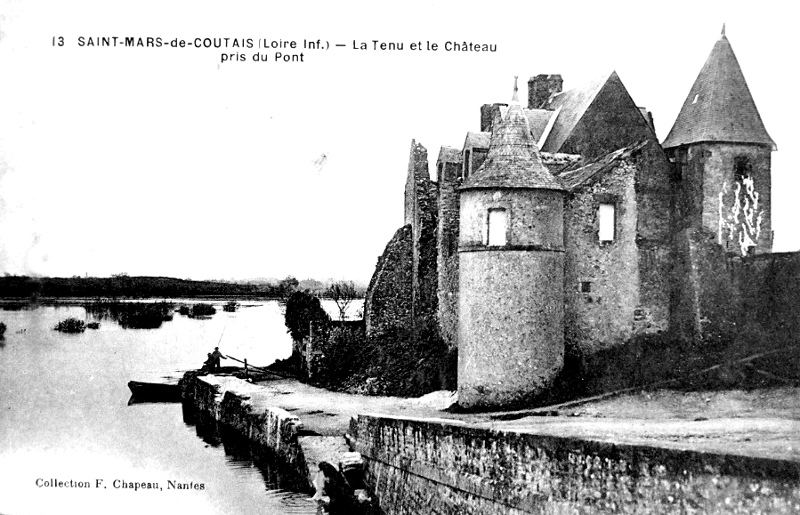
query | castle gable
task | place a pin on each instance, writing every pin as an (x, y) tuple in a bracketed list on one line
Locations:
[(719, 106), (596, 119), (573, 104)]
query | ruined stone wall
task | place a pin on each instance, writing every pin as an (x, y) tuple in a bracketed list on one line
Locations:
[(416, 466), (422, 193), (601, 280), (447, 258), (388, 302)]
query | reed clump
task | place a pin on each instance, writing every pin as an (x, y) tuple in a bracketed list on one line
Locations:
[(71, 325), (133, 315)]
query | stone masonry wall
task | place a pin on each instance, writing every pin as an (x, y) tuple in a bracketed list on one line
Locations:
[(769, 288), (511, 297), (387, 303), (275, 429), (601, 280), (705, 299), (712, 195), (447, 258), (423, 207), (511, 333), (738, 211), (417, 467)]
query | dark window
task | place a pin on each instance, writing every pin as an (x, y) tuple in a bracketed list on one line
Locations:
[(741, 168), (466, 164), (585, 287)]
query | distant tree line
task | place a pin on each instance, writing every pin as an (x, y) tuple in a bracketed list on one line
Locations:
[(123, 285)]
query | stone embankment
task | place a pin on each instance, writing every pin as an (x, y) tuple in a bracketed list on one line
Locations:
[(418, 459), (241, 405)]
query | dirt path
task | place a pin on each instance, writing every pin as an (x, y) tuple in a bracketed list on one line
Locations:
[(760, 423)]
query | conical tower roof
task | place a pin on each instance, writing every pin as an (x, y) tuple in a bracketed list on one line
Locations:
[(719, 106), (513, 160)]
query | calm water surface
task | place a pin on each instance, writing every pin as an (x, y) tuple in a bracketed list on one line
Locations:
[(64, 415)]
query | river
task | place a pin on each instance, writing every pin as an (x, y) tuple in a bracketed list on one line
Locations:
[(64, 417)]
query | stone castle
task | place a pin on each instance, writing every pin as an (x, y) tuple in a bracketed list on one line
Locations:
[(565, 227)]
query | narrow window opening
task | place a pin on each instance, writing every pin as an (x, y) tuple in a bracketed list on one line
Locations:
[(742, 168), (607, 219), (585, 287), (466, 164), (498, 225)]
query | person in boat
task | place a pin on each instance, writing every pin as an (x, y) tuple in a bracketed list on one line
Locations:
[(208, 364), (216, 356)]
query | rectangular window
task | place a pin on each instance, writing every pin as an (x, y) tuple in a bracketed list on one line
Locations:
[(607, 218), (585, 287), (466, 164), (498, 225)]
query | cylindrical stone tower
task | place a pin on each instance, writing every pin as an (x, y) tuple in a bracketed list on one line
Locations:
[(511, 272)]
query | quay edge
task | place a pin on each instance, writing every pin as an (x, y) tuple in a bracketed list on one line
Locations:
[(451, 466)]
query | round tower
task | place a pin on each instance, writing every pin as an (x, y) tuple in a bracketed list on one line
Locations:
[(511, 272)]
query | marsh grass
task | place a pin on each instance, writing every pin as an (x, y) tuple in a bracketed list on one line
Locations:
[(202, 310)]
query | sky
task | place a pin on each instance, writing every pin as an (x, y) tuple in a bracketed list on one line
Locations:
[(168, 161)]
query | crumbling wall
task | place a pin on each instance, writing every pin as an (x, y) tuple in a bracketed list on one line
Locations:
[(424, 195), (388, 301)]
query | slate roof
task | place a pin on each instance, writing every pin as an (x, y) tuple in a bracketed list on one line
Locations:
[(478, 139), (513, 160), (573, 104), (719, 106), (449, 155), (575, 178)]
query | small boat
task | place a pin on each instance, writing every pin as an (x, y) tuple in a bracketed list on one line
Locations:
[(155, 392)]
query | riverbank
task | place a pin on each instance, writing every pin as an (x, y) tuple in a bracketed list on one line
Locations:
[(731, 439)]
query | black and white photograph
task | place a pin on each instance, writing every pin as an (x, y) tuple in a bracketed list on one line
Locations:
[(399, 258)]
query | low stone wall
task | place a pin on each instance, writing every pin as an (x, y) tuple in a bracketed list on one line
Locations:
[(273, 429), (419, 466)]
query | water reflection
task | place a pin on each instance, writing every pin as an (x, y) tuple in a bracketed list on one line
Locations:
[(64, 413), (240, 453)]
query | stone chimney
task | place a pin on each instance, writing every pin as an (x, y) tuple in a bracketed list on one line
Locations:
[(541, 87)]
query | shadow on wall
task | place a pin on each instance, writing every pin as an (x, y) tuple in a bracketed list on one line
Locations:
[(749, 358)]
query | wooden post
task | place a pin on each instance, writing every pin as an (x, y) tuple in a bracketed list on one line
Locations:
[(245, 368)]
